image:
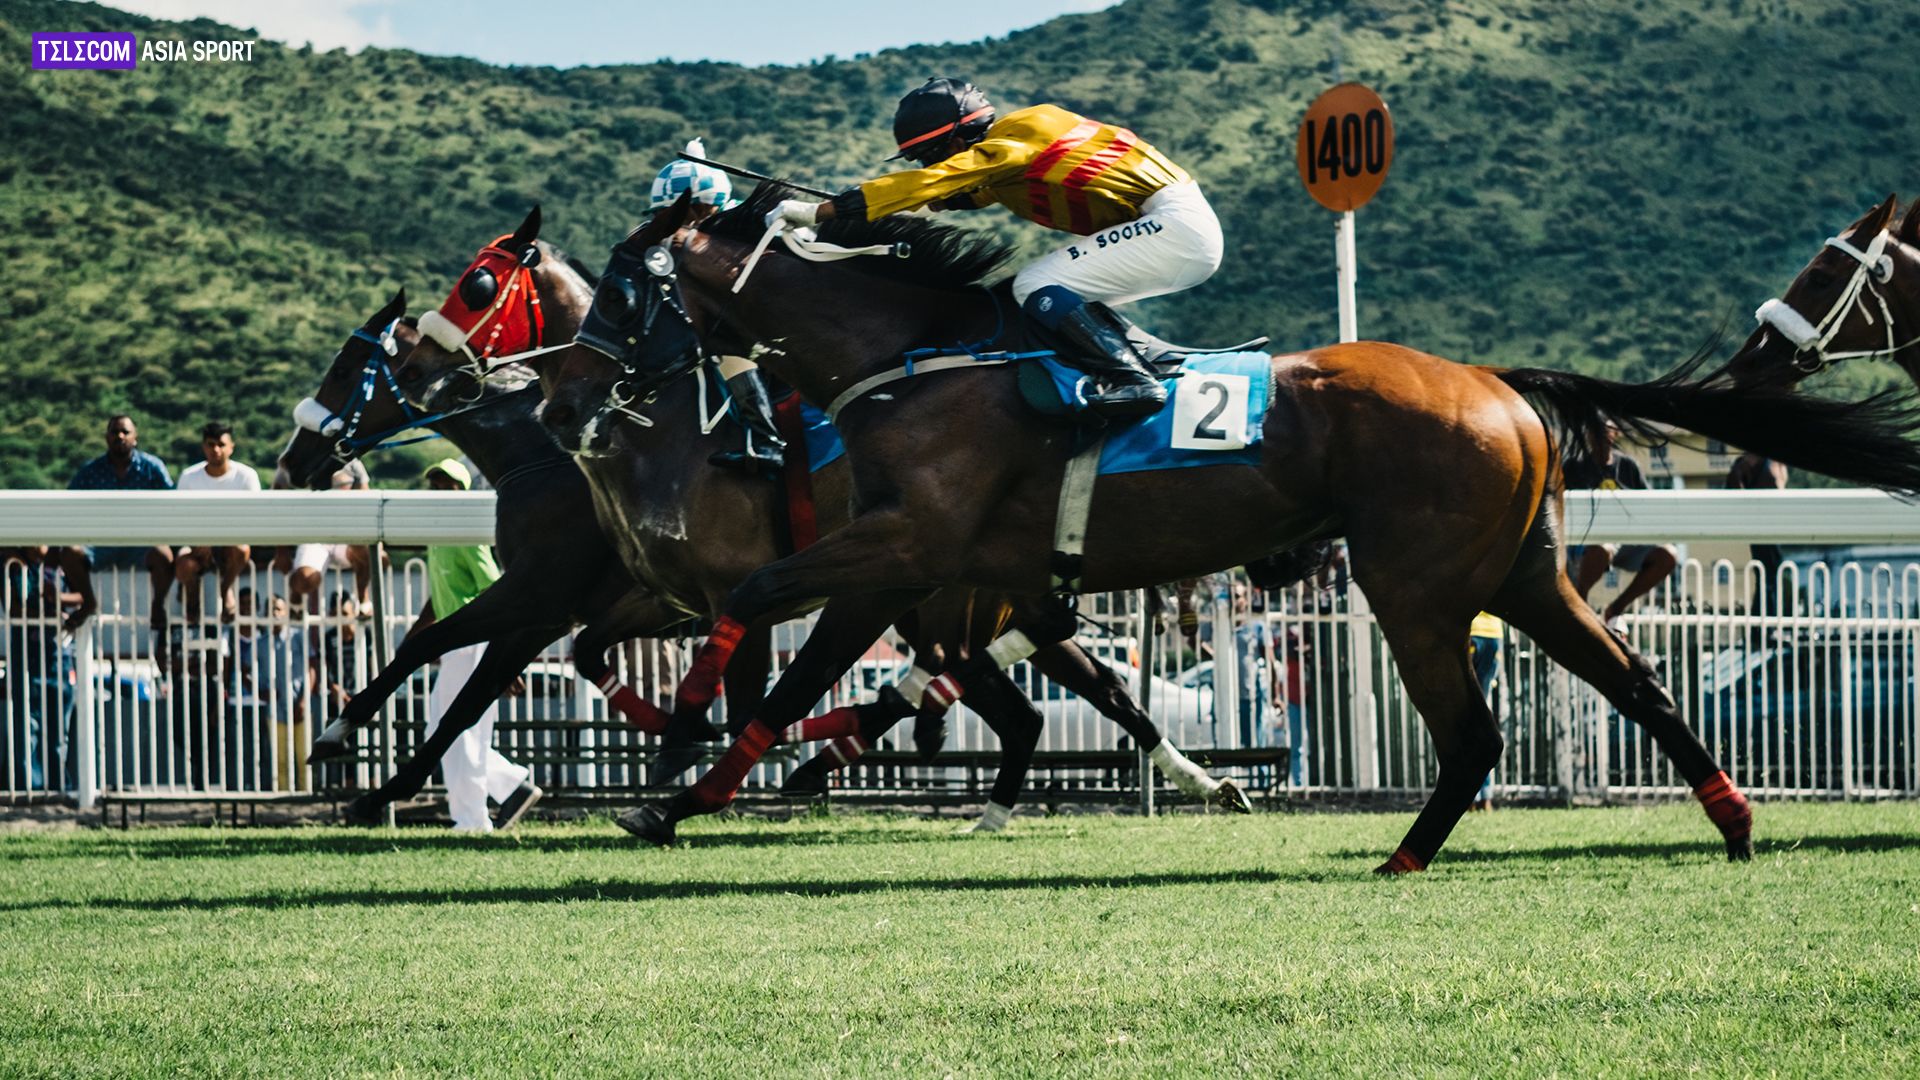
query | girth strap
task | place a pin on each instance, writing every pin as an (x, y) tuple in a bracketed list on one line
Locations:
[(1070, 524), (905, 371)]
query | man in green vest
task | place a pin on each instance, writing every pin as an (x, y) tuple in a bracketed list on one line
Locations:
[(475, 771)]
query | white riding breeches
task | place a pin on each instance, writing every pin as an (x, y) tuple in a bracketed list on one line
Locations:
[(474, 769), (1174, 244)]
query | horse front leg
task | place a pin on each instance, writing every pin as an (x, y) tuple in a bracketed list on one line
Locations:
[(869, 555), (846, 629)]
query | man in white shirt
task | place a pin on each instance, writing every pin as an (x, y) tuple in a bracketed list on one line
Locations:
[(219, 472)]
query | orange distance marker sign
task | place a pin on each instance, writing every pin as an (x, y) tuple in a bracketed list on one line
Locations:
[(1346, 145)]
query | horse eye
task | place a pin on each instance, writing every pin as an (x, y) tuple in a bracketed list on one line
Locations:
[(477, 289)]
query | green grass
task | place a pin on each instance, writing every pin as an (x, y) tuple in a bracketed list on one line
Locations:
[(1573, 942)]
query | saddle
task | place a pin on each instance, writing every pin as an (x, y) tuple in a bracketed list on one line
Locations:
[(1040, 390)]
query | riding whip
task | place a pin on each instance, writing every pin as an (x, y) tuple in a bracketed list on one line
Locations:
[(749, 174)]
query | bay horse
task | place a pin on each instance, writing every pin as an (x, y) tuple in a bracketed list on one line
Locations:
[(1442, 477), (1859, 296), (689, 531), (557, 568)]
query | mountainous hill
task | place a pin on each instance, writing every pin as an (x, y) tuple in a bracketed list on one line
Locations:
[(1587, 185)]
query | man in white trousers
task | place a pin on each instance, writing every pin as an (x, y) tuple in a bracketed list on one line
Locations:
[(475, 771)]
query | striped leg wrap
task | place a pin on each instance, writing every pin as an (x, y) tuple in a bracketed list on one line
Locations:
[(717, 788), (1725, 806), (831, 724), (847, 751), (1404, 862), (702, 683), (640, 712)]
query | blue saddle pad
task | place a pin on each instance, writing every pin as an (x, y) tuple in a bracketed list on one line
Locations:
[(1213, 415), (823, 439)]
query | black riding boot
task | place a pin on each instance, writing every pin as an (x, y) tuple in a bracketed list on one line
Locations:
[(763, 450), (1127, 389)]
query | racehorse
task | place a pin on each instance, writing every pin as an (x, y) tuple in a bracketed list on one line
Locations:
[(1859, 296), (690, 531), (557, 569), (1443, 479)]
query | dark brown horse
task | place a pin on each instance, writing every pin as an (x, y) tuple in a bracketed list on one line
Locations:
[(557, 569), (1442, 478), (690, 532), (1858, 297)]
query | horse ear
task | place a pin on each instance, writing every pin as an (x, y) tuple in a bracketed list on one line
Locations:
[(664, 223), (1875, 220), (395, 308), (1909, 231), (529, 230)]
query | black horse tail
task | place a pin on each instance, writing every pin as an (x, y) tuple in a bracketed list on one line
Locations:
[(1868, 442)]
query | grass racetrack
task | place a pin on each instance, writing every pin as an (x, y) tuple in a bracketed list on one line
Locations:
[(1572, 942)]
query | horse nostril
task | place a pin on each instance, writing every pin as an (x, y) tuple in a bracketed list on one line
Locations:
[(557, 414)]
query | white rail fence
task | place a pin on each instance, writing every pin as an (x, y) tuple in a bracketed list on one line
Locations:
[(1812, 695)]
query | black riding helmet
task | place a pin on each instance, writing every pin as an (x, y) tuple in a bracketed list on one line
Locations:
[(942, 107)]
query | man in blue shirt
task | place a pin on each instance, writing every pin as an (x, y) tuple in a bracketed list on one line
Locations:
[(124, 467)]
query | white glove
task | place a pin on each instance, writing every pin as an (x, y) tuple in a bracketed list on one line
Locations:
[(794, 212)]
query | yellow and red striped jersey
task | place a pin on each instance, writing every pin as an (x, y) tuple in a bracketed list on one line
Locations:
[(1044, 163)]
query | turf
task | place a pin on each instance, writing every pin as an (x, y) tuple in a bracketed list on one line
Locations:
[(1568, 942)]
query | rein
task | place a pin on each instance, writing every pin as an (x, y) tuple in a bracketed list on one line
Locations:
[(1874, 267), (343, 426)]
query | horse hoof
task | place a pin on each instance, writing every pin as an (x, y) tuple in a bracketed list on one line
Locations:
[(366, 810), (1740, 849), (1401, 862), (1230, 798), (325, 750), (649, 823), (805, 782)]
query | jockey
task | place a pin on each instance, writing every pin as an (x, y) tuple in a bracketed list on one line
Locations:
[(709, 192), (1148, 230)]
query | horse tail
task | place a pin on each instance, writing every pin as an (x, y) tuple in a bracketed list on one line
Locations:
[(1866, 442)]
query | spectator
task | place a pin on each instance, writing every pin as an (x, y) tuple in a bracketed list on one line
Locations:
[(219, 472), (267, 685), (1483, 644), (1296, 689), (1606, 469), (124, 467), (1253, 665), (307, 564), (39, 676), (474, 770), (339, 651), (1751, 472)]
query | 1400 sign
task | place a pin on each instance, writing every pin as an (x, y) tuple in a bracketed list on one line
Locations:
[(1349, 145)]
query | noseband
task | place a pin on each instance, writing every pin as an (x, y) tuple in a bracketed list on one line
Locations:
[(1873, 268)]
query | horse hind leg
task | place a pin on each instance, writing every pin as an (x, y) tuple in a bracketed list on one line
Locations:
[(1538, 599)]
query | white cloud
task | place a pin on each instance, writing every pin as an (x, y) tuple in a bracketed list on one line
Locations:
[(327, 24)]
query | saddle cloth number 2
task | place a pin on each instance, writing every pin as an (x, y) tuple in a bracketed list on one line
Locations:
[(1210, 412)]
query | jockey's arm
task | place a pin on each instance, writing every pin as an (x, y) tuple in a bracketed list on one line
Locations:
[(978, 166)]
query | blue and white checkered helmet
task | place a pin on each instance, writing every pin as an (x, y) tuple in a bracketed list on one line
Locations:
[(706, 183)]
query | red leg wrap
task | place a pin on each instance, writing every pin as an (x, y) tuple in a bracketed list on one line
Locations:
[(944, 690), (716, 789), (1404, 862), (640, 712), (831, 724), (1725, 806), (846, 751), (702, 683)]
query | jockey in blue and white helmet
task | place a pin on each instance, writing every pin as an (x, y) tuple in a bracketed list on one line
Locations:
[(710, 191)]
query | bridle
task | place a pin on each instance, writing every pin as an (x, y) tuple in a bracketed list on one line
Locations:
[(636, 290), (343, 425), (498, 316), (1873, 267)]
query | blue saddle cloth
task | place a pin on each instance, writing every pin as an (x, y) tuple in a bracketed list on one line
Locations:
[(823, 439), (1213, 415)]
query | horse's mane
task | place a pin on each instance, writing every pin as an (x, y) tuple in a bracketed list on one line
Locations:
[(943, 256)]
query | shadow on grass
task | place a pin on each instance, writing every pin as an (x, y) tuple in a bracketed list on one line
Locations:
[(584, 890), (238, 845), (1679, 849)]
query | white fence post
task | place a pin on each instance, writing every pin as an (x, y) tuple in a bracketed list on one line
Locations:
[(86, 753), (1143, 633), (1366, 757)]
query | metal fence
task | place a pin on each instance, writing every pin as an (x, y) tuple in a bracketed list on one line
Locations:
[(1817, 700)]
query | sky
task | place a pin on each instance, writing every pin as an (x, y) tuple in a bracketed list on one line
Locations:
[(566, 33)]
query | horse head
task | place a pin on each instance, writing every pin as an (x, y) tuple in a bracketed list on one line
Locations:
[(1859, 296), (356, 397), (638, 335)]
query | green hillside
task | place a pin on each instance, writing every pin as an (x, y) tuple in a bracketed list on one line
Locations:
[(1590, 185)]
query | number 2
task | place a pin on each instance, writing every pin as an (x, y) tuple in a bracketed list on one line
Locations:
[(1205, 429)]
